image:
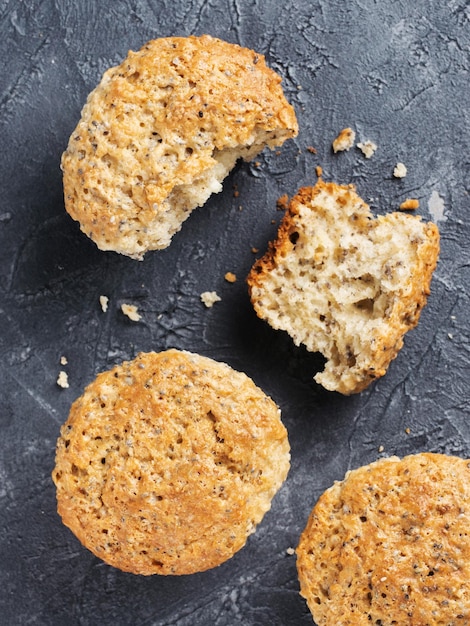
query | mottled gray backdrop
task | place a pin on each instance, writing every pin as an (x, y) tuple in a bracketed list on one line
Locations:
[(397, 72)]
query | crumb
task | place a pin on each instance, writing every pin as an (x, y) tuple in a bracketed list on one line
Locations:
[(63, 360), (282, 202), (367, 148), (278, 153), (104, 303), (63, 380), (230, 277), (299, 87), (240, 208), (257, 163), (290, 551), (273, 221), (450, 335), (410, 204), (236, 193), (344, 141), (209, 298), (131, 311), (407, 430), (381, 448), (400, 170), (255, 250), (319, 171), (312, 150)]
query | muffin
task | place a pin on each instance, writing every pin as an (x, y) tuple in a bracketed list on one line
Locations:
[(167, 463), (390, 544), (344, 283), (161, 131)]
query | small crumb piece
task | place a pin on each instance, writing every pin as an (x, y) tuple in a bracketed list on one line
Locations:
[(319, 171), (312, 150), (407, 431), (410, 204), (257, 163), (367, 148), (400, 170), (290, 551), (63, 360), (283, 202), (236, 193), (230, 277), (104, 303), (344, 141), (63, 380), (381, 448), (209, 298), (131, 311), (450, 335), (255, 250)]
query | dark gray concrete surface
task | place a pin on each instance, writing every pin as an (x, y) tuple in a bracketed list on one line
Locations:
[(397, 72)]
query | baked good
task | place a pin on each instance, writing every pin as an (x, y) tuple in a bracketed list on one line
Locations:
[(390, 544), (344, 283), (161, 131), (168, 462)]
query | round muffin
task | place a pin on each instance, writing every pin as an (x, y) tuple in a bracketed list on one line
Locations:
[(167, 463), (161, 131), (390, 544)]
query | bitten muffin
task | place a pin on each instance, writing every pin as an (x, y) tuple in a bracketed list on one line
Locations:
[(161, 131), (344, 283), (167, 463), (390, 544)]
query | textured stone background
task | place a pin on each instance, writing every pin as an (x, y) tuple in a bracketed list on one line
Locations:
[(395, 71)]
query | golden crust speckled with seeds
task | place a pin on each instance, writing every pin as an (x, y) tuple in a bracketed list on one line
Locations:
[(161, 131), (167, 463), (390, 544), (344, 283)]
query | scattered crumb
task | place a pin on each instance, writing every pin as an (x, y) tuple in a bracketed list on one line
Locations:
[(230, 277), (240, 208), (63, 380), (410, 204), (209, 298), (290, 551), (255, 250), (257, 163), (319, 171), (282, 202), (407, 431), (312, 150), (273, 221), (299, 87), (400, 170), (104, 303), (344, 141), (236, 193), (367, 148), (381, 448), (450, 335), (131, 311), (63, 360), (278, 153)]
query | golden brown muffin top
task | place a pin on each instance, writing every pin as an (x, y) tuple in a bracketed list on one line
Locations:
[(390, 544), (167, 463), (156, 124)]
